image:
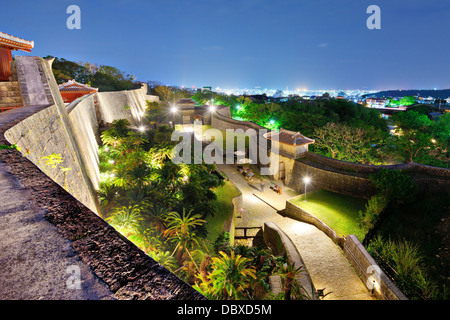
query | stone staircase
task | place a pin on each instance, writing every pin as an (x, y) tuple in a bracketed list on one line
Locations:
[(10, 96)]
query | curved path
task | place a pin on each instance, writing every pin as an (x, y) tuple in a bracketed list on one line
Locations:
[(325, 261)]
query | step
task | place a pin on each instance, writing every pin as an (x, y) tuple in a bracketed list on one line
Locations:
[(9, 105), (11, 100), (12, 93), (9, 86)]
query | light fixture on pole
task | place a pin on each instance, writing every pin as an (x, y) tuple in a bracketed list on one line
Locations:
[(306, 180)]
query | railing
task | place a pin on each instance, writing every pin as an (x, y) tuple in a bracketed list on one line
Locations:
[(246, 236)]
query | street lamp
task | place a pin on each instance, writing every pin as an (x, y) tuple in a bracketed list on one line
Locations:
[(306, 180), (173, 109), (212, 109)]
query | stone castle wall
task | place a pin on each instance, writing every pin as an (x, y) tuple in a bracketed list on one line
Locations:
[(354, 179), (67, 199)]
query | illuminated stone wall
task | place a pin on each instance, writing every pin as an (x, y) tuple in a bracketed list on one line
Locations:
[(65, 201)]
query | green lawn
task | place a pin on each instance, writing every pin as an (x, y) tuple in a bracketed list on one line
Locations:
[(224, 205), (337, 211)]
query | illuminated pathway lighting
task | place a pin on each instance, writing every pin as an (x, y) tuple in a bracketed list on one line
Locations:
[(306, 180), (212, 108), (174, 109), (141, 128)]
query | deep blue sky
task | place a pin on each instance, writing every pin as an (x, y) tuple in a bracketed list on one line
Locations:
[(315, 44)]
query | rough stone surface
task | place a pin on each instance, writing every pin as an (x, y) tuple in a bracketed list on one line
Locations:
[(34, 257)]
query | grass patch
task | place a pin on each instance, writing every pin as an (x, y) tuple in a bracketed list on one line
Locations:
[(224, 205), (339, 212)]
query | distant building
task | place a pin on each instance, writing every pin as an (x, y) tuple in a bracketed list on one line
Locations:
[(73, 90), (9, 43), (10, 94), (376, 102), (290, 144), (424, 100)]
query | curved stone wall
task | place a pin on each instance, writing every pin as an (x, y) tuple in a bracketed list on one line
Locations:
[(70, 202), (353, 179)]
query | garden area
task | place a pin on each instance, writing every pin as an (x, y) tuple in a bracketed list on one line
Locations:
[(175, 213), (339, 212)]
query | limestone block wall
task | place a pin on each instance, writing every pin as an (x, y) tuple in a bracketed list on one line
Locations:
[(365, 266), (128, 105), (85, 125), (67, 198), (321, 178), (49, 131), (222, 120), (353, 179), (42, 135), (297, 213)]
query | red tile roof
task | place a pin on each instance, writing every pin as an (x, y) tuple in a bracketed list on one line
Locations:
[(289, 137), (73, 86), (15, 43)]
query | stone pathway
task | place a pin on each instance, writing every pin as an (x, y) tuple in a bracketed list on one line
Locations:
[(325, 261)]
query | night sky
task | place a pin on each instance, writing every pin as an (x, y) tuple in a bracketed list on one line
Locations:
[(320, 44)]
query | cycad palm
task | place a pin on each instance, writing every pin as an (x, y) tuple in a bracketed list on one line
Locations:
[(179, 230), (126, 219), (231, 275)]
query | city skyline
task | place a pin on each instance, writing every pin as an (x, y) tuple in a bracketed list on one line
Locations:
[(246, 44)]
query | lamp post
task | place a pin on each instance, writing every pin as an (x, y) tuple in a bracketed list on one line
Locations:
[(306, 180)]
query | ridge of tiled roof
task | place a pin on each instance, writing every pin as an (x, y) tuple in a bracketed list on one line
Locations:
[(15, 42)]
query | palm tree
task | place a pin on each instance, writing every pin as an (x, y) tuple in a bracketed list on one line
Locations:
[(160, 154), (111, 137), (147, 238), (126, 219), (107, 193), (121, 125), (157, 215), (182, 224), (122, 177), (231, 276), (164, 258), (179, 230), (289, 273), (170, 175)]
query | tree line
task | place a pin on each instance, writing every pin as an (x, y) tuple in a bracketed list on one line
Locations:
[(103, 77)]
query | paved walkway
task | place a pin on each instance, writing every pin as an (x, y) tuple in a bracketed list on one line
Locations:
[(326, 264)]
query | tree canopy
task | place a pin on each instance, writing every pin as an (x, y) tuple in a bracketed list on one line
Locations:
[(105, 78)]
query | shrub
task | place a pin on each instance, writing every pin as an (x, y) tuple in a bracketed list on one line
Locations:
[(406, 261), (374, 208), (394, 185)]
